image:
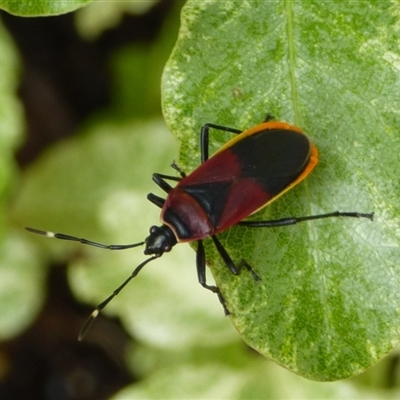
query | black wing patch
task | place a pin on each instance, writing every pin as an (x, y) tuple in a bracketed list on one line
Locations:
[(274, 158), (212, 198)]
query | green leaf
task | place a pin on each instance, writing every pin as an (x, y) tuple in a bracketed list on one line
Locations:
[(35, 8), (328, 303)]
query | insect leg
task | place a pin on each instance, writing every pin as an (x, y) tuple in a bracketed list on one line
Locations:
[(201, 274), (157, 200), (295, 220), (176, 167), (159, 179), (225, 256), (235, 269), (245, 264), (269, 117), (204, 135)]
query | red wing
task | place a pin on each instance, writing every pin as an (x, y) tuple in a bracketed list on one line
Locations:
[(242, 178), (226, 197)]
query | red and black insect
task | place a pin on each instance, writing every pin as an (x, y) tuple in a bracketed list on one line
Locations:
[(246, 174)]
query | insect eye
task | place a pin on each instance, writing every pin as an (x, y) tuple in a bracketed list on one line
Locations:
[(153, 229)]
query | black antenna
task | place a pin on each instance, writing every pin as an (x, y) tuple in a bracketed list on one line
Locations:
[(63, 236), (97, 310), (86, 326)]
